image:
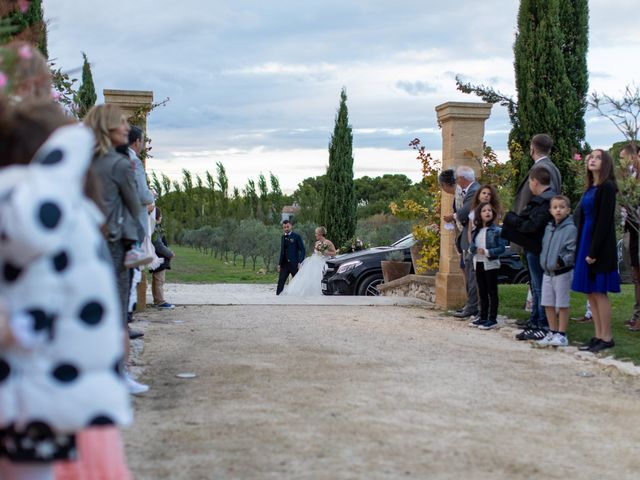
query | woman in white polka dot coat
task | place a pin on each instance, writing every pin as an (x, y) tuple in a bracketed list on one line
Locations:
[(61, 351)]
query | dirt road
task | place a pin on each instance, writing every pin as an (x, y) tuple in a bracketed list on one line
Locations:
[(289, 392)]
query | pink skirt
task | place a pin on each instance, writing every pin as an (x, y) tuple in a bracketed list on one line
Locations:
[(100, 457)]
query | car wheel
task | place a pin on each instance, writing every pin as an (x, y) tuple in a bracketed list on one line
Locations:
[(369, 286), (521, 277)]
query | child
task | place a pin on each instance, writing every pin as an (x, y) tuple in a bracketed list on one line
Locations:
[(486, 246), (557, 261), (596, 261), (60, 332), (527, 230)]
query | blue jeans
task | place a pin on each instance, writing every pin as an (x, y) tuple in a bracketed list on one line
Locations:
[(538, 317)]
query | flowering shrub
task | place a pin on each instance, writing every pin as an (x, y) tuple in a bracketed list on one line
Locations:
[(353, 245), (425, 218)]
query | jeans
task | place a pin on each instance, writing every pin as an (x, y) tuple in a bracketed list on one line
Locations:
[(487, 282), (538, 318)]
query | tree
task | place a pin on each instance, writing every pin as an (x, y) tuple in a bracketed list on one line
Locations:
[(623, 112), (551, 83), (338, 208), (87, 92)]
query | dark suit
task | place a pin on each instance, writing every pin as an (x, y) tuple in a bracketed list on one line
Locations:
[(291, 255), (524, 194), (462, 215)]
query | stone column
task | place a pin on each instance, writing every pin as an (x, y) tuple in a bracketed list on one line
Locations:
[(462, 141), (131, 101)]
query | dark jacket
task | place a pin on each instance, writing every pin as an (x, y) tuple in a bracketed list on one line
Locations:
[(291, 250), (161, 247), (120, 202), (523, 194), (462, 216), (496, 245), (527, 229), (603, 234), (559, 247)]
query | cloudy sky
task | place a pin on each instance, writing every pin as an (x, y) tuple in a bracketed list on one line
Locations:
[(256, 84)]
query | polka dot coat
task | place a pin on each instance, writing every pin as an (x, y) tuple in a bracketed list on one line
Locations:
[(55, 268)]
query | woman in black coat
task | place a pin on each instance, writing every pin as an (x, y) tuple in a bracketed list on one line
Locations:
[(596, 271)]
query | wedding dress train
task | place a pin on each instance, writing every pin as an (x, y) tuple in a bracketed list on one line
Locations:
[(306, 283)]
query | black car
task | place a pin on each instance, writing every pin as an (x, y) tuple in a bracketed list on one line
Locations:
[(360, 273)]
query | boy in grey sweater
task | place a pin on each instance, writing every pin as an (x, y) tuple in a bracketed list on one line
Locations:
[(557, 261)]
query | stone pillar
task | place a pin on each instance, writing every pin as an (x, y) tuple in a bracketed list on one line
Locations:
[(462, 141), (131, 101)]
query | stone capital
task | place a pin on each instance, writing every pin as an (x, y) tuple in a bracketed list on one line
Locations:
[(463, 111)]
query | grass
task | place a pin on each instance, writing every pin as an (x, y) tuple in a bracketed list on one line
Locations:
[(512, 299), (191, 266)]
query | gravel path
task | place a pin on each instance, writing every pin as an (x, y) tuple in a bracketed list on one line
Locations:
[(346, 392)]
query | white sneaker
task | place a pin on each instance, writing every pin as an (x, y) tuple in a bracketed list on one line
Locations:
[(559, 341), (546, 341), (135, 388)]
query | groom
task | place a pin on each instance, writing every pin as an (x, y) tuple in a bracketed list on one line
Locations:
[(291, 255)]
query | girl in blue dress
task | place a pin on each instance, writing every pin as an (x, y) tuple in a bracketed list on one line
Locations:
[(596, 271)]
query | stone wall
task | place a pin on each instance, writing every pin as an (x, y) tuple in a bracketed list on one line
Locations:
[(418, 286)]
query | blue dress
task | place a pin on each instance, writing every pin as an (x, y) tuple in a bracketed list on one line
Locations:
[(602, 282)]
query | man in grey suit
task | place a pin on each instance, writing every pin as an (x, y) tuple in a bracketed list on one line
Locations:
[(466, 179), (539, 150)]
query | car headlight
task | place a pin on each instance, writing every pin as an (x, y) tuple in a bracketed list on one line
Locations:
[(347, 267)]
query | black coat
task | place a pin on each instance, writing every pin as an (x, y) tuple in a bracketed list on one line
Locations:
[(161, 247), (291, 250), (527, 229), (603, 234)]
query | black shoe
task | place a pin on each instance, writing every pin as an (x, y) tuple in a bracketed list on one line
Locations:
[(588, 346), (488, 325), (465, 314), (524, 325), (531, 334), (133, 334), (602, 345)]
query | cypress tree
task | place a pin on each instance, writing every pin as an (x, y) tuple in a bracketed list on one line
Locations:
[(548, 102), (87, 92), (338, 208)]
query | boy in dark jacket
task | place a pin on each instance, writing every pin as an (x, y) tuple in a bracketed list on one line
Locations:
[(527, 230), (159, 242)]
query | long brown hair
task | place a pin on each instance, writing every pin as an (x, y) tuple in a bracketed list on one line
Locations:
[(607, 172), (26, 126), (495, 199)]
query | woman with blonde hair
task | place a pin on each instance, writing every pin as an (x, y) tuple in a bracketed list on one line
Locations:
[(119, 202)]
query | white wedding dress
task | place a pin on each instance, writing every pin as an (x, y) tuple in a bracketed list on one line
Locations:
[(306, 283)]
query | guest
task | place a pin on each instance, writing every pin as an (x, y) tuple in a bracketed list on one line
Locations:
[(596, 271), (158, 275)]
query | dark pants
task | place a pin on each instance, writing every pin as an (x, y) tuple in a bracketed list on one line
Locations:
[(285, 270), (470, 284), (538, 317), (117, 250), (487, 282)]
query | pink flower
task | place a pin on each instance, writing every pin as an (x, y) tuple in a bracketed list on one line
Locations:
[(23, 5), (55, 95), (577, 157), (3, 80), (25, 52)]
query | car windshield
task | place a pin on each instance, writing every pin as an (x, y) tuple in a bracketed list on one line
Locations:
[(404, 242)]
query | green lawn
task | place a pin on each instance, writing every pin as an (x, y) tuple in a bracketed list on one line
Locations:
[(512, 298), (191, 266)]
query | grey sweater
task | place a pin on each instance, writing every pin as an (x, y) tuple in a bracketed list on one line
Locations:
[(120, 202), (559, 246)]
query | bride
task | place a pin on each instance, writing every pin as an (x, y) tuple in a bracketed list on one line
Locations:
[(306, 283)]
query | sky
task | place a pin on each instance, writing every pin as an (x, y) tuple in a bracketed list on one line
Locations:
[(256, 84)]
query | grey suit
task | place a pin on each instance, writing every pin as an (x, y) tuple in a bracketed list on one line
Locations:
[(523, 194), (462, 216)]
